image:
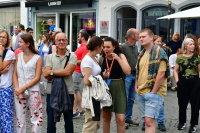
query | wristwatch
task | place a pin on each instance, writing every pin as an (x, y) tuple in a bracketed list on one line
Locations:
[(51, 73)]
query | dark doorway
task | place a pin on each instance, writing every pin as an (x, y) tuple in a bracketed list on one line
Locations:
[(126, 18)]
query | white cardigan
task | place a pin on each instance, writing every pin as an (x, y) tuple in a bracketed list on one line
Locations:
[(99, 91)]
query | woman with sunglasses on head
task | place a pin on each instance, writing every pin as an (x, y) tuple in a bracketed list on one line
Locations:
[(26, 77), (114, 64), (7, 58), (186, 74)]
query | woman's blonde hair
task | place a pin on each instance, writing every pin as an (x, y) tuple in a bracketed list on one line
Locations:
[(185, 42), (196, 50), (176, 33), (50, 20), (155, 37)]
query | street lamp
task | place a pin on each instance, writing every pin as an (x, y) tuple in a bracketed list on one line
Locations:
[(169, 21)]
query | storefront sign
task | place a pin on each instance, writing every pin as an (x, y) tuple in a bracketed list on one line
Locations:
[(157, 13), (104, 27), (89, 24), (56, 3)]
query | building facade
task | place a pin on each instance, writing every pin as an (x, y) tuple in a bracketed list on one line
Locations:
[(122, 15), (10, 15), (99, 17)]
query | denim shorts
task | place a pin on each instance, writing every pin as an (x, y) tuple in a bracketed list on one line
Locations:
[(77, 79), (149, 104)]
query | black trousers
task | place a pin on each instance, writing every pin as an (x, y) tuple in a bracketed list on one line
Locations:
[(189, 93)]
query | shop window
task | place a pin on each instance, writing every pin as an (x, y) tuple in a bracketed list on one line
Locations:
[(41, 23), (80, 21), (190, 26), (10, 19), (159, 27)]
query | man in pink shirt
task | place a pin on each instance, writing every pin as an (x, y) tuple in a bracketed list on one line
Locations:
[(77, 75)]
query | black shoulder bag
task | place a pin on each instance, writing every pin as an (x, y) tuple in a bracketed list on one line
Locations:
[(180, 73)]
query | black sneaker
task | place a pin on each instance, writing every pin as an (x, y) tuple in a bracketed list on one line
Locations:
[(181, 126), (76, 114), (161, 126), (143, 126), (192, 129), (126, 126), (82, 112), (131, 122)]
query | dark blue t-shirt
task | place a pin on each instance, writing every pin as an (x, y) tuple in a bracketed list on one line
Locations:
[(174, 46)]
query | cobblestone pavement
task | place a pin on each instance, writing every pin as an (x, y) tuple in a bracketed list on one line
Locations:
[(171, 118)]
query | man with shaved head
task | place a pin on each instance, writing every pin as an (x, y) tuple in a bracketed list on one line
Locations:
[(55, 67), (130, 50)]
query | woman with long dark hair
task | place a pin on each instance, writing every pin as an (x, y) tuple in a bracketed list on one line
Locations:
[(114, 64), (27, 72)]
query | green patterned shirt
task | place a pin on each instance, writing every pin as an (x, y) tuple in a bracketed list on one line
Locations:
[(191, 69)]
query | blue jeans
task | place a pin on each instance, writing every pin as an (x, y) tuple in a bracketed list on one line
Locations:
[(130, 93), (161, 117), (68, 117)]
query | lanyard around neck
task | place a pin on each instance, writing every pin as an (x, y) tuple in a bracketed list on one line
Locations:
[(109, 68)]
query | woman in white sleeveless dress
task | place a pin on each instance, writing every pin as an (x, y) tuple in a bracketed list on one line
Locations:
[(26, 77)]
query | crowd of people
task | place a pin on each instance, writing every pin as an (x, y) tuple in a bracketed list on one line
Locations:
[(99, 78)]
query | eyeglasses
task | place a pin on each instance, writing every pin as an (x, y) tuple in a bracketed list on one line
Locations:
[(2, 37), (59, 40)]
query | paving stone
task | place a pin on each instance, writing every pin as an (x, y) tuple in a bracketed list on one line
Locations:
[(171, 118)]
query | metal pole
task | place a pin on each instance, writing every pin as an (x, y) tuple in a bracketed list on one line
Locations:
[(169, 22)]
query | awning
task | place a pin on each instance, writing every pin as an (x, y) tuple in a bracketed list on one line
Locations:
[(190, 13), (10, 4), (38, 3)]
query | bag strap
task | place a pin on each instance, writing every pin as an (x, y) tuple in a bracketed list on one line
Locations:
[(4, 55), (189, 63), (50, 49), (67, 60)]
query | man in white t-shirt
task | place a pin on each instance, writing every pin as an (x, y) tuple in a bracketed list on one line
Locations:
[(172, 63), (16, 32)]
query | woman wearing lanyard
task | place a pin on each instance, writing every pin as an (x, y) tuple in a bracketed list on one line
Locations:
[(114, 64)]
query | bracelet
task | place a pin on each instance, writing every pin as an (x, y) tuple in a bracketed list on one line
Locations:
[(1, 55), (135, 88)]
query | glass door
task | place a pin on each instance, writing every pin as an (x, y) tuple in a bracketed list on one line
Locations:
[(81, 20)]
